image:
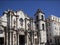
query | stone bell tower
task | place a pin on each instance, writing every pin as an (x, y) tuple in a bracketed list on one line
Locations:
[(41, 27)]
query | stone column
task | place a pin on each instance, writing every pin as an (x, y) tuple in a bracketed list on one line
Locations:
[(32, 31), (17, 28), (5, 41), (33, 39), (11, 32), (38, 37), (38, 28), (8, 26), (31, 28), (26, 33), (11, 37), (26, 38), (18, 38)]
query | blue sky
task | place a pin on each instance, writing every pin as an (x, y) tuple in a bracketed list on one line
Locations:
[(30, 6)]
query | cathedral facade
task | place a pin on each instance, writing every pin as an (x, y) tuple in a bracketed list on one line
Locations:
[(17, 28)]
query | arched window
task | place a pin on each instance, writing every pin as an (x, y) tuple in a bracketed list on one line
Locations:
[(21, 21)]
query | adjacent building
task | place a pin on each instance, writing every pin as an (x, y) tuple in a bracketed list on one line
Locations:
[(53, 30)]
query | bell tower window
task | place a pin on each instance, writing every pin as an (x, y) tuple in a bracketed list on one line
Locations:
[(42, 17), (42, 26)]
